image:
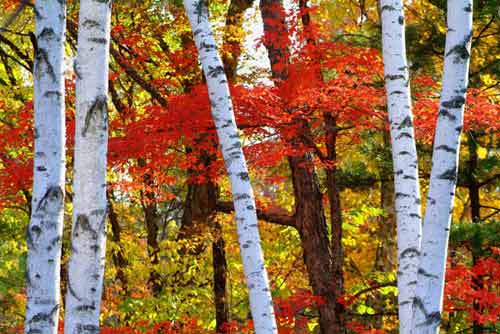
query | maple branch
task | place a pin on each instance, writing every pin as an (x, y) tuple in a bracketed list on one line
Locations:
[(310, 142), (18, 207), (14, 15), (8, 69), (29, 63), (488, 180), (371, 288), (494, 213), (482, 69), (155, 94), (17, 33), (380, 314), (120, 107), (131, 72), (477, 39), (275, 216)]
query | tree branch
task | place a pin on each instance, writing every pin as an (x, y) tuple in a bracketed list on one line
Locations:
[(275, 216), (132, 73)]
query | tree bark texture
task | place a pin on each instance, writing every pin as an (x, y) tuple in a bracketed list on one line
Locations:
[(309, 217), (428, 302), (404, 155), (119, 259), (475, 212), (232, 40), (220, 277), (336, 224), (88, 239), (47, 214), (151, 222)]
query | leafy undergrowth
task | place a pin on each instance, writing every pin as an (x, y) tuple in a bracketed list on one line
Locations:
[(471, 290)]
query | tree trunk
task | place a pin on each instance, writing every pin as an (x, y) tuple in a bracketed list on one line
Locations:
[(200, 211), (47, 214), (473, 186), (404, 156), (246, 218), (201, 200), (386, 258), (275, 37), (428, 302), (386, 254), (234, 22), (220, 273), (475, 208), (118, 256), (88, 239), (336, 223), (311, 223), (151, 220), (309, 212)]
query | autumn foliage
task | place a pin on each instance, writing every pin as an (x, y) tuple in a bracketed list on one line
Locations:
[(162, 142)]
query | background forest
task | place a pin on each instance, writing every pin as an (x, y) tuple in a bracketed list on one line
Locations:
[(322, 174)]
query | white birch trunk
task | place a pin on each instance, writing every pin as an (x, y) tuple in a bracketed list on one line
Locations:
[(404, 156), (428, 302), (47, 217), (244, 204), (88, 238)]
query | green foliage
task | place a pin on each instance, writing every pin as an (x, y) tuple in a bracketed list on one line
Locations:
[(481, 235)]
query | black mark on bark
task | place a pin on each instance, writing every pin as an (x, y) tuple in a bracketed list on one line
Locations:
[(100, 105)]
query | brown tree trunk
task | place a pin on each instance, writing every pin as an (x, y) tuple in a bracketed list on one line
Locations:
[(387, 248), (311, 223), (336, 223), (199, 212), (220, 273), (275, 37), (475, 208), (201, 199), (309, 212), (232, 41), (118, 256), (151, 219)]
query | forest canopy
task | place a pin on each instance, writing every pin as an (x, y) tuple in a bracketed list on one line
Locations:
[(249, 167)]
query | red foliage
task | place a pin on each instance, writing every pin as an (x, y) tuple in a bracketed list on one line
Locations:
[(481, 112), (474, 290), (286, 314)]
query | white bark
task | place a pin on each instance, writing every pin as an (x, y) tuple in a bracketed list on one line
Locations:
[(404, 156), (47, 217), (88, 239), (428, 302), (244, 203)]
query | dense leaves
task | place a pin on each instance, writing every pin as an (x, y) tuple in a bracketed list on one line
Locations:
[(162, 142)]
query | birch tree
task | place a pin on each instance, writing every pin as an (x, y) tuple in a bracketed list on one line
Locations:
[(244, 203), (86, 265), (47, 214), (428, 302), (404, 155)]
